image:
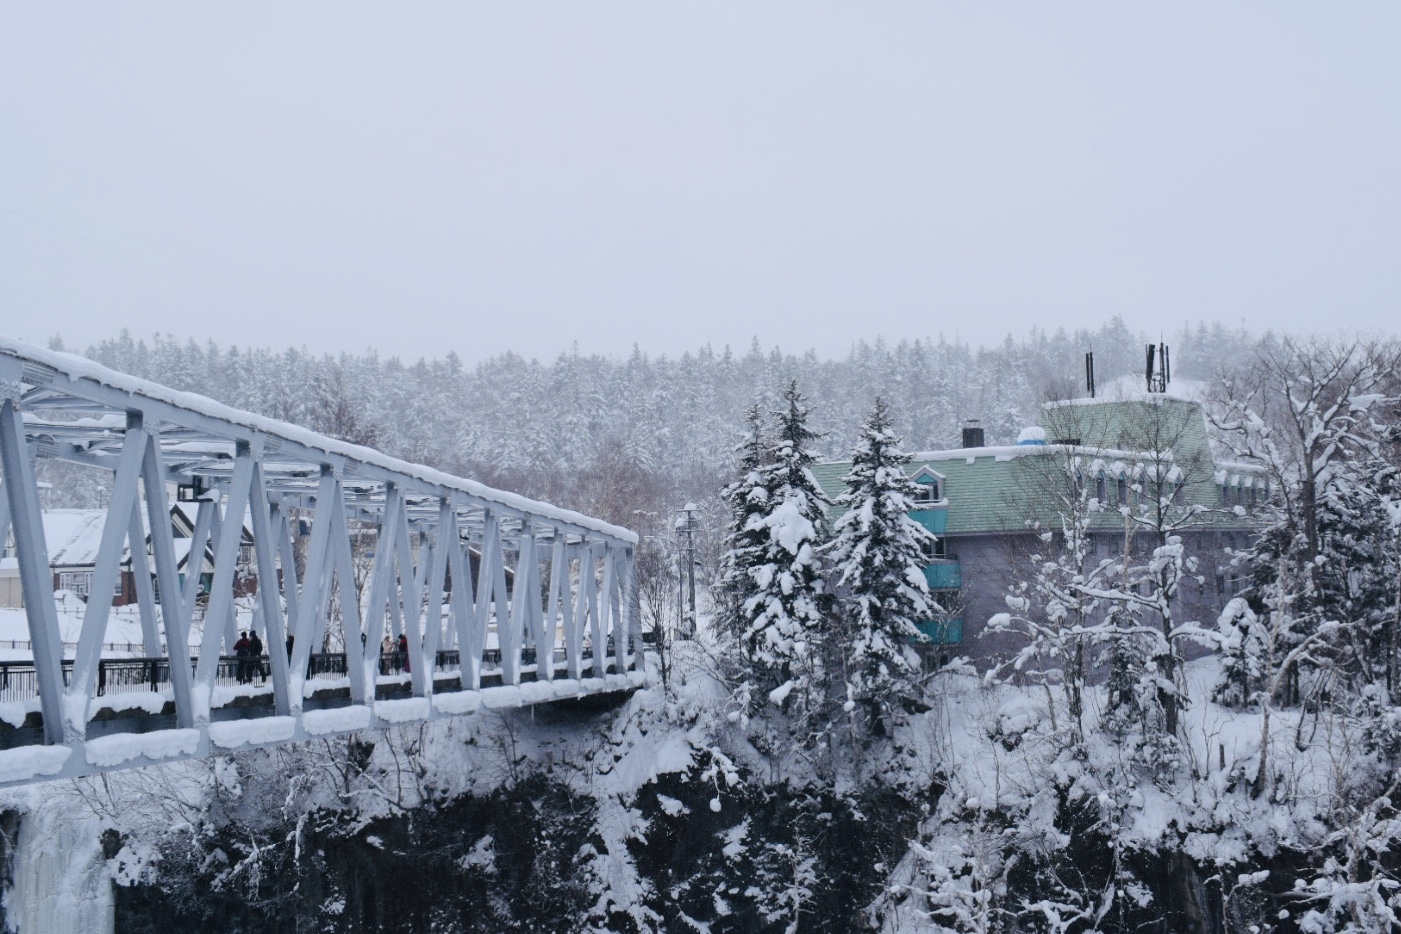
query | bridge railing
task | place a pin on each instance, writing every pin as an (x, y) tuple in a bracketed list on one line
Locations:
[(19, 680)]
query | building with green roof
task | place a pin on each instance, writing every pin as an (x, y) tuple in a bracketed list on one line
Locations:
[(1148, 455)]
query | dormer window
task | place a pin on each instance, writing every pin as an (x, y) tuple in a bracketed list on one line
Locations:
[(929, 488)]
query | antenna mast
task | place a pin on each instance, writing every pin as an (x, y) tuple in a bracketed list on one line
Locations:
[(1158, 372)]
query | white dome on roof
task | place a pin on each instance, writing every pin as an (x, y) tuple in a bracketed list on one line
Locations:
[(1032, 434)]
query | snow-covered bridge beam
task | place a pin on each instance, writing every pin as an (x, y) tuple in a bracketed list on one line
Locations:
[(324, 549)]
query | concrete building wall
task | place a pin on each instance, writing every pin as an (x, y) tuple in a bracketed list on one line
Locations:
[(10, 593), (993, 563)]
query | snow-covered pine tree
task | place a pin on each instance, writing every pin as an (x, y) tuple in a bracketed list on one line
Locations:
[(878, 561), (748, 499), (1242, 653), (786, 613)]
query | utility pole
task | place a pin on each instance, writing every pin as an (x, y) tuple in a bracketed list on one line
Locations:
[(686, 526)]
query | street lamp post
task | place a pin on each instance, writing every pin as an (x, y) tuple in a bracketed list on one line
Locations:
[(686, 526)]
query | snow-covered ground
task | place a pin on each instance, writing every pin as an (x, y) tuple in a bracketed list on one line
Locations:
[(1000, 751)]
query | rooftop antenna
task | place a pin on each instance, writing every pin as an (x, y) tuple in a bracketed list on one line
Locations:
[(1158, 376), (1090, 373)]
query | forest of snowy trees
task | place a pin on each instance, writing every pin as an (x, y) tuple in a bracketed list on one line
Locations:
[(801, 768)]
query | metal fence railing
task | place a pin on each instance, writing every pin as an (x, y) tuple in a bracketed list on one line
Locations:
[(28, 646), (19, 680)]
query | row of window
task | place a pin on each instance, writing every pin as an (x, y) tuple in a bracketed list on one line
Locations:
[(1247, 496), (1167, 489), (80, 582), (1112, 543)]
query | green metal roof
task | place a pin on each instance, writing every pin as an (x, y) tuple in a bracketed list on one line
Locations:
[(994, 489), (1152, 423)]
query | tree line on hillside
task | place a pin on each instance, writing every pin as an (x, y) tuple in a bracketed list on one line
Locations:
[(658, 428)]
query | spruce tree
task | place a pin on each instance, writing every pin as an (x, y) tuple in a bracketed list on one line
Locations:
[(878, 561), (747, 498), (786, 612)]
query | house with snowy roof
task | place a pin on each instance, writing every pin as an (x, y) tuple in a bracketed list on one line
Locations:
[(1135, 468), (74, 538)]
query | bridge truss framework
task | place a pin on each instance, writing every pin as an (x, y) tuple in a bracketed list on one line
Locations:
[(454, 564)]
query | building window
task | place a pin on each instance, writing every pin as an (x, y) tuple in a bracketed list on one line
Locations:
[(1123, 491), (949, 632), (933, 549), (80, 582), (1101, 490), (927, 494), (949, 629)]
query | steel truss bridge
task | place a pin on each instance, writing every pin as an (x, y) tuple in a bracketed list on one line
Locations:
[(504, 601)]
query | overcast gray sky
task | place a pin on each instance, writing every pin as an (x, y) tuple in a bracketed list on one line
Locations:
[(483, 177)]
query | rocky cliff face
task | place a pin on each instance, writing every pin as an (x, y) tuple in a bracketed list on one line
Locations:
[(672, 813)]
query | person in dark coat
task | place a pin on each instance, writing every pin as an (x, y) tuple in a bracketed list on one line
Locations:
[(241, 651), (255, 654), (404, 651)]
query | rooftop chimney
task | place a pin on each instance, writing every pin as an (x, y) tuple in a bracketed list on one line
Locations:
[(972, 433)]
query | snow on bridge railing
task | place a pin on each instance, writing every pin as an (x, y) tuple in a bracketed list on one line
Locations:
[(308, 541)]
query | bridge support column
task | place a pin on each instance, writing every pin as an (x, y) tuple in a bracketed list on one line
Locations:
[(36, 580)]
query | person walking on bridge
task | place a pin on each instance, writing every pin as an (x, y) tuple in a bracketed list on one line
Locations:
[(241, 652), (255, 656)]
